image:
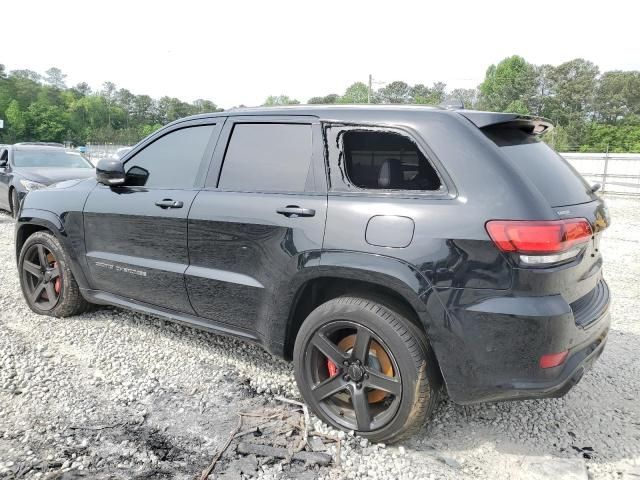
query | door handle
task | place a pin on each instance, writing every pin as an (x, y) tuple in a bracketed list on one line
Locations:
[(168, 203), (293, 211)]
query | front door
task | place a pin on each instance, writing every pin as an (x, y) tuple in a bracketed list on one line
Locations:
[(261, 215), (136, 235)]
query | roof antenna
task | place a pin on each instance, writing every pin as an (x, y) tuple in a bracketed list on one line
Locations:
[(452, 103)]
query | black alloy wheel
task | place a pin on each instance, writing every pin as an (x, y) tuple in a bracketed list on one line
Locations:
[(362, 366), (47, 282), (345, 364), (42, 277)]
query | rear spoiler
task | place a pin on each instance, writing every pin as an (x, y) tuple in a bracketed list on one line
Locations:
[(532, 125)]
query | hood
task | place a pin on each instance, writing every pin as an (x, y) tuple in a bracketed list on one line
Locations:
[(47, 176)]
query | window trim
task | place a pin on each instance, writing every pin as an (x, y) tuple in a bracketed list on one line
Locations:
[(343, 185), (315, 183), (217, 122)]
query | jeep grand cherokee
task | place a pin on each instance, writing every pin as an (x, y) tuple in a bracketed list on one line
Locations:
[(389, 252)]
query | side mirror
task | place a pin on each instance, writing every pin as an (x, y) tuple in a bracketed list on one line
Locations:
[(110, 172), (4, 163), (595, 187)]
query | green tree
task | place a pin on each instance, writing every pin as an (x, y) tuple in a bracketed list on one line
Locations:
[(83, 89), (543, 90), (55, 78), (421, 94), (47, 123), (326, 100), (571, 93), (612, 138), (395, 92), (144, 109), (468, 97), (16, 122), (27, 75), (274, 100), (23, 87), (512, 79), (558, 139), (617, 96), (517, 106), (170, 109), (108, 92), (356, 93), (204, 106)]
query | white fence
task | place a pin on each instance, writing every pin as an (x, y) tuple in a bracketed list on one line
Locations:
[(97, 152), (616, 172)]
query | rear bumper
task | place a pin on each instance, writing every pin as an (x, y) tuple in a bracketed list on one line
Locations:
[(493, 347)]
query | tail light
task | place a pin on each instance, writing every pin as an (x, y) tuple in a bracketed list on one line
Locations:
[(540, 242)]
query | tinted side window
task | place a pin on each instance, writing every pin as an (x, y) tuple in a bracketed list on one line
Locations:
[(552, 175), (386, 160), (172, 161), (272, 157)]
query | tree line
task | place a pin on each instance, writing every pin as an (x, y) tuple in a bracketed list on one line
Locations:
[(39, 107), (592, 110)]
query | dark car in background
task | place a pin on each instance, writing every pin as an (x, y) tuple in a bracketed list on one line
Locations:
[(33, 165), (389, 251)]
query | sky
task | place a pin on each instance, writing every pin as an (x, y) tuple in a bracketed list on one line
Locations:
[(239, 52)]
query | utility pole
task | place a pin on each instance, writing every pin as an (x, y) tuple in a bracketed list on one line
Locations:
[(369, 92)]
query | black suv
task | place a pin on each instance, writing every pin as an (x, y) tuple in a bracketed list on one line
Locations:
[(388, 251)]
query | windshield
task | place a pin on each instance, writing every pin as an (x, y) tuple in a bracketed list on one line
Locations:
[(49, 158)]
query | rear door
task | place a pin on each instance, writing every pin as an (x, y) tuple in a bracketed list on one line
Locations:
[(136, 235), (261, 215)]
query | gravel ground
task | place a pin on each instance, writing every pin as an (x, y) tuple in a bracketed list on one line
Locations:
[(123, 395)]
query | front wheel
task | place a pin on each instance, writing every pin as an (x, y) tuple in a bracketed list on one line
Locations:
[(47, 283), (362, 366)]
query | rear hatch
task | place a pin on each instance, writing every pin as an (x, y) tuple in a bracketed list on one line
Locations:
[(578, 278)]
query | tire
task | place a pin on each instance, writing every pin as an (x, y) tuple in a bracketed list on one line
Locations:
[(14, 203), (370, 345), (53, 291)]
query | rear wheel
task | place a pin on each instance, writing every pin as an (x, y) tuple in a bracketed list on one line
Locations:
[(47, 283), (362, 366)]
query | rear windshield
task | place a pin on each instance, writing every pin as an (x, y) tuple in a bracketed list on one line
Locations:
[(49, 158), (552, 175)]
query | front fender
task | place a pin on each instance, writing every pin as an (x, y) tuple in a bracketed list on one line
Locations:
[(66, 230), (30, 217)]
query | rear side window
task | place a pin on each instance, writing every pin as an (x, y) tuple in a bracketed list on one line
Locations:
[(551, 174), (172, 161), (267, 157), (386, 160)]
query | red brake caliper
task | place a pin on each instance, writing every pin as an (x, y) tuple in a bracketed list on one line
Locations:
[(332, 367), (57, 285)]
